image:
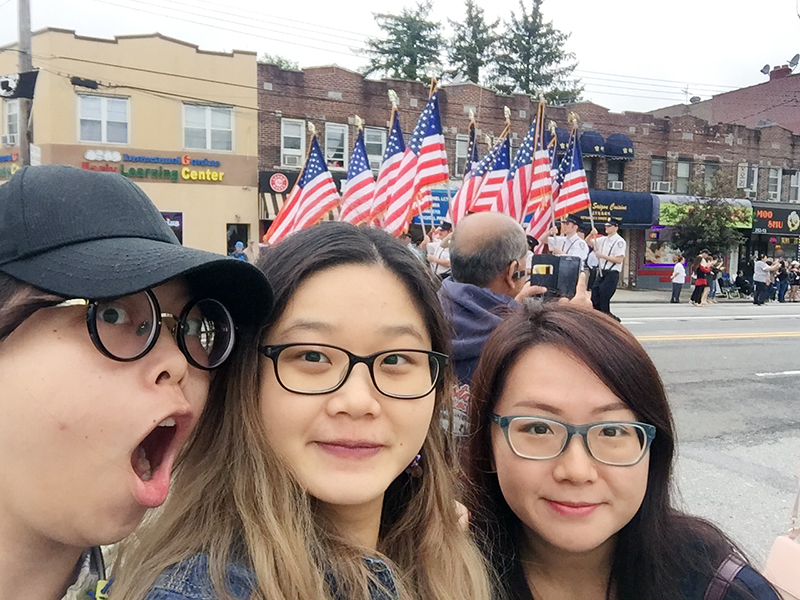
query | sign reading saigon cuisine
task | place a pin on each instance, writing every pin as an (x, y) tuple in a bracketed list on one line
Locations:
[(157, 168)]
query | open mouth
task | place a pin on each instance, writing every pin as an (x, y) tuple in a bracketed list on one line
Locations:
[(150, 453)]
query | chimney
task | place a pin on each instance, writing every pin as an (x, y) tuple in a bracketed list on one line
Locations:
[(780, 72)]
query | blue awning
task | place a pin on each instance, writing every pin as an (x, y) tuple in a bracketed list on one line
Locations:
[(562, 135), (592, 144), (619, 147)]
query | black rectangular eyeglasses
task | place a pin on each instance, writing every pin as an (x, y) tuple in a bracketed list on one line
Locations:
[(402, 373)]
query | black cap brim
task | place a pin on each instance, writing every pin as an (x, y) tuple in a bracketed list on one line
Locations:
[(112, 267)]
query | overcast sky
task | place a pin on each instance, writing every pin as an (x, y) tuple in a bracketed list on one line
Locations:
[(631, 56)]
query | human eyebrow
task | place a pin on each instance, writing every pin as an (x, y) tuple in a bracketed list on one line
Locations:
[(542, 406), (313, 326), (401, 330), (610, 408)]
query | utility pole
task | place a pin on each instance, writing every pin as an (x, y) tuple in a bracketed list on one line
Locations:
[(25, 65)]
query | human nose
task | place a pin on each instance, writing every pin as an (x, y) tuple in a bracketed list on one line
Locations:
[(575, 464), (166, 362), (357, 397)]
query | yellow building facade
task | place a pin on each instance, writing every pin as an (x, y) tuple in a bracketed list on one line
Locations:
[(178, 121)]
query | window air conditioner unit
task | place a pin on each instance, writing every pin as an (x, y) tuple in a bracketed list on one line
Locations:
[(375, 165), (10, 139), (661, 187), (291, 160), (749, 193), (773, 196), (615, 185)]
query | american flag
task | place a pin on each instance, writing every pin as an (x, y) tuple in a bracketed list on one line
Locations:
[(488, 197), (472, 182), (574, 190), (541, 184), (543, 217), (390, 166), (360, 186), (458, 206), (424, 164), (514, 195), (314, 195)]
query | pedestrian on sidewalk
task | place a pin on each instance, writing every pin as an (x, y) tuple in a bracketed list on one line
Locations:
[(761, 277), (678, 278), (700, 270)]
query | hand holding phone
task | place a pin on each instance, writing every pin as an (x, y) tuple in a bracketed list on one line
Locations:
[(559, 274)]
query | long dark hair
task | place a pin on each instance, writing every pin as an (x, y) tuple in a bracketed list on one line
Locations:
[(660, 549), (18, 301)]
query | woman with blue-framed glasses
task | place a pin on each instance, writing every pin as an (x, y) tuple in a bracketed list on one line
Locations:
[(109, 332), (571, 460)]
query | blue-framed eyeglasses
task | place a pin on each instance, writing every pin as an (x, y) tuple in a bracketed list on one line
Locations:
[(406, 374), (617, 443)]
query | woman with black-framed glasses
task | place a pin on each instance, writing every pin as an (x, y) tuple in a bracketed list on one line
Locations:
[(109, 329), (570, 457), (324, 465)]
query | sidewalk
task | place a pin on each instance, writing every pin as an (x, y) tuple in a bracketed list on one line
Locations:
[(660, 296)]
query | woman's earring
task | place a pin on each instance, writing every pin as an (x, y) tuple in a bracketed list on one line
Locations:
[(415, 468)]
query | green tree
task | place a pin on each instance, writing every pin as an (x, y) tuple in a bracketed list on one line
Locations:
[(532, 59), (282, 62), (711, 222), (473, 44), (411, 48)]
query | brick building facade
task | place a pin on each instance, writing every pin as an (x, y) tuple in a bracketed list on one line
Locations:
[(671, 155)]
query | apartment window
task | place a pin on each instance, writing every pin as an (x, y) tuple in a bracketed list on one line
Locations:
[(683, 174), (462, 148), (616, 170), (747, 179), (794, 187), (293, 142), (336, 145), (590, 166), (207, 127), (774, 182), (375, 142), (710, 176), (657, 167), (103, 119), (12, 122)]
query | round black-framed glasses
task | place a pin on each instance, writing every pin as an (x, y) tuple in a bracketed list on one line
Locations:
[(312, 369), (615, 443), (127, 328)]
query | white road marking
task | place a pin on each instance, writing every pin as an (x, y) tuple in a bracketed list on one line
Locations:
[(778, 374), (710, 318)]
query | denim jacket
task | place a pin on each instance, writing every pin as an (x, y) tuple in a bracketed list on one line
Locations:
[(190, 580)]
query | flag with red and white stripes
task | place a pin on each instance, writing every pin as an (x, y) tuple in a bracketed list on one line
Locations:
[(488, 196), (360, 186), (514, 196), (390, 168), (543, 217), (472, 183), (573, 195), (458, 205), (424, 164), (313, 196)]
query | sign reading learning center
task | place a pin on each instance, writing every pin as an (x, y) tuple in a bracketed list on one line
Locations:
[(175, 169)]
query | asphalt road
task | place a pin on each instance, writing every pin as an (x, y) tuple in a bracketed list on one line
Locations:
[(732, 374)]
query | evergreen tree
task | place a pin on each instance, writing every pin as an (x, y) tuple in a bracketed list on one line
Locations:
[(472, 46), (412, 47), (532, 59), (282, 62)]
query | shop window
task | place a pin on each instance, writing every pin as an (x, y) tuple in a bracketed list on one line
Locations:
[(237, 232), (336, 145), (103, 119), (616, 174), (12, 123), (794, 187), (293, 142), (207, 127), (747, 179), (774, 184), (710, 176), (683, 175), (375, 142), (462, 148)]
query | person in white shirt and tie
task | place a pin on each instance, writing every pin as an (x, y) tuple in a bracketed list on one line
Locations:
[(569, 242), (610, 251)]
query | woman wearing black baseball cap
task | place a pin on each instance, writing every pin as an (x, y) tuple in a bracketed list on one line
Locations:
[(109, 330)]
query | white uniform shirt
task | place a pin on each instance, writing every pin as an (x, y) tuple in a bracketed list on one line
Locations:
[(571, 246), (614, 245), (678, 273), (435, 249)]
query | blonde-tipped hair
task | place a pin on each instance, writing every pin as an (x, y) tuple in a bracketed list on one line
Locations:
[(236, 500)]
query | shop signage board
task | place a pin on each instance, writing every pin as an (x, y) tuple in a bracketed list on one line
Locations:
[(175, 222), (8, 165), (175, 169), (636, 210), (438, 211), (776, 220)]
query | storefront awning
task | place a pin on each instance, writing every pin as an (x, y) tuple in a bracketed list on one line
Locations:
[(562, 135), (619, 147), (672, 208), (592, 144), (636, 210)]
